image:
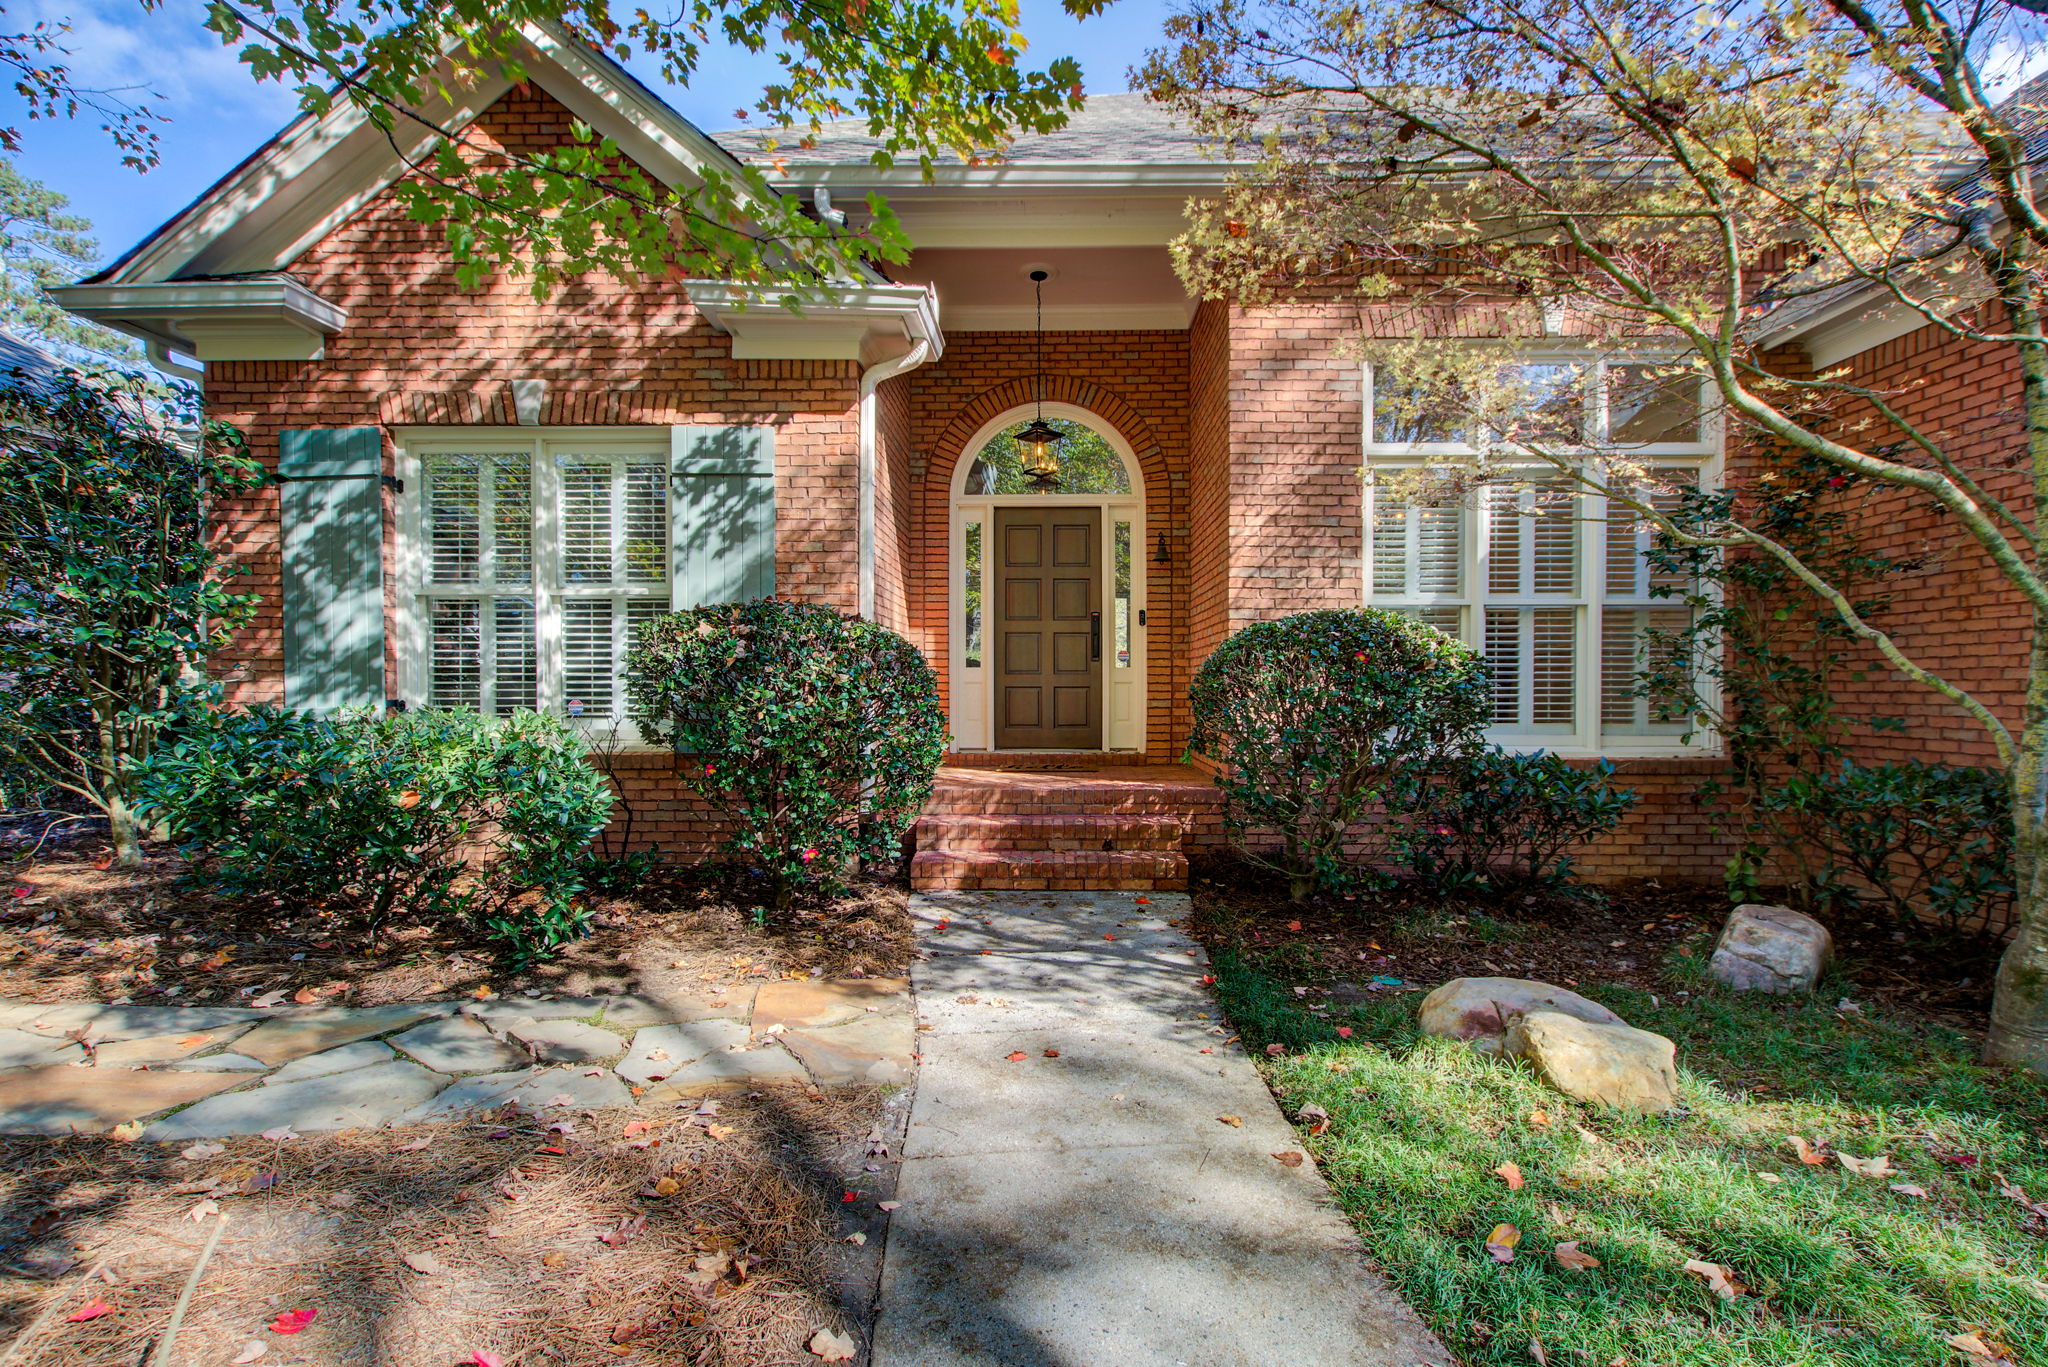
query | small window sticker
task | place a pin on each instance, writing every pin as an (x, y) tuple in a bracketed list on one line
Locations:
[(575, 707)]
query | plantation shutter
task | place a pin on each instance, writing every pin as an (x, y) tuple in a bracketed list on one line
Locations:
[(332, 509), (722, 532)]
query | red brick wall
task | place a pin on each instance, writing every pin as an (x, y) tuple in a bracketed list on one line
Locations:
[(1137, 383), (1209, 452), (420, 350), (895, 504)]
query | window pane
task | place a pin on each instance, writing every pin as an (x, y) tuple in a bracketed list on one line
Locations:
[(1633, 640), (512, 520), (454, 520), (1647, 403), (1532, 540), (1532, 653), (516, 673), (1088, 464), (1629, 573), (646, 548), (1416, 550), (1450, 621), (972, 627), (1546, 405), (1123, 595), (587, 657), (1404, 411), (586, 521), (457, 628)]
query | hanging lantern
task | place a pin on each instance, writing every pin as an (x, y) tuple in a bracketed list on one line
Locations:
[(1038, 448), (1039, 444)]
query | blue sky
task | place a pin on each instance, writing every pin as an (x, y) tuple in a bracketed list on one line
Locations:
[(218, 115)]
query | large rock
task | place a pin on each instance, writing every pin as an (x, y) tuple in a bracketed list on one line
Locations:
[(1771, 949), (1480, 1009), (1609, 1064)]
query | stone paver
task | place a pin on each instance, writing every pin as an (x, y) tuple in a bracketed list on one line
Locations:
[(457, 1044), (362, 1054), (563, 1041), (330, 1067), (288, 1037), (361, 1099), (66, 1100), (1090, 1208), (662, 1051)]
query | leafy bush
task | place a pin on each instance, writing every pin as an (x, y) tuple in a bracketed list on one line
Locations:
[(1314, 716), (111, 593), (431, 812), (1915, 839), (1496, 821), (816, 735)]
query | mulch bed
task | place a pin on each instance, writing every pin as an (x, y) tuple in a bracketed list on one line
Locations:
[(1625, 936), (722, 1238), (74, 929)]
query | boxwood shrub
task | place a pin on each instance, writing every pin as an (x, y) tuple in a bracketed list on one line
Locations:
[(433, 813), (1314, 716), (814, 734)]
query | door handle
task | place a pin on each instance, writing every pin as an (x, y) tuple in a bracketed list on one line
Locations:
[(1094, 635)]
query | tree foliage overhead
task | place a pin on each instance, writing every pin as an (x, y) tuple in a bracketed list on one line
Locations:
[(1629, 178), (40, 246)]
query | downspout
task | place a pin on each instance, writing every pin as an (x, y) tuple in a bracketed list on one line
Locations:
[(871, 380)]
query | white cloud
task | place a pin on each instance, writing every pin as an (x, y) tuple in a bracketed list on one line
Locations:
[(164, 58)]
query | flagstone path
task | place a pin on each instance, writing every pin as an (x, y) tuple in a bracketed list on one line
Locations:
[(1069, 1195), (82, 1068)]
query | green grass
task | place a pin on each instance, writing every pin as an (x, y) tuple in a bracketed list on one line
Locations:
[(1842, 1269)]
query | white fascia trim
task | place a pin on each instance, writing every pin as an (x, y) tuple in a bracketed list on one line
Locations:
[(1022, 178), (850, 322), (275, 318)]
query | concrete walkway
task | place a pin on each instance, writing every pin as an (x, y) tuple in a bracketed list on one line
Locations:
[(1082, 1205)]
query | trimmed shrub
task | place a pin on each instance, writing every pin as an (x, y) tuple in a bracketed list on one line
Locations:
[(1495, 821), (815, 734), (1917, 840), (430, 813), (1313, 717)]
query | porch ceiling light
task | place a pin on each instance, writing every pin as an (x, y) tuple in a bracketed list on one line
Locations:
[(1039, 444)]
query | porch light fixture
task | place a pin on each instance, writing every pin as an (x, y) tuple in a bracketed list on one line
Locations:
[(1040, 441)]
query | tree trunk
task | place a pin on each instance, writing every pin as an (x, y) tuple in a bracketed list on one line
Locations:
[(2019, 1007), (127, 833)]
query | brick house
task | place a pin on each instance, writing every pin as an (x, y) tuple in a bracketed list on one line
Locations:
[(481, 494)]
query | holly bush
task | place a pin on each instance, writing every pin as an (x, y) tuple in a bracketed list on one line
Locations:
[(1492, 820), (431, 813), (1313, 717), (815, 734)]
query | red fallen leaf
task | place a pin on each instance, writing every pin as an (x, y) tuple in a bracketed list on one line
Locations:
[(1208, 1051), (1208, 980), (1275, 1050), (1511, 1174), (1107, 936), (988, 951), (633, 1127), (1343, 1032), (850, 1197), (1290, 1159), (1144, 901), (292, 1321), (555, 1149), (1019, 1056), (1294, 925), (22, 892), (305, 996), (1959, 1160), (942, 925), (91, 1310), (1052, 1053), (482, 1359)]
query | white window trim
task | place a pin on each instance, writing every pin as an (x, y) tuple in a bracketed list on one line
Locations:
[(1704, 457), (413, 632)]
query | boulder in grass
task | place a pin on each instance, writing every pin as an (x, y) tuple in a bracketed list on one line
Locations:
[(1480, 1009), (1606, 1064), (1770, 949)]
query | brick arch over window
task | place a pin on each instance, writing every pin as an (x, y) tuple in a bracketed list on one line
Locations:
[(1161, 458), (1104, 405)]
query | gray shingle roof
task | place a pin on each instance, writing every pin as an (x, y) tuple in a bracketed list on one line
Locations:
[(1110, 128)]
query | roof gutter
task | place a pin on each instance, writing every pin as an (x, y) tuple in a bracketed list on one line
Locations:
[(871, 380)]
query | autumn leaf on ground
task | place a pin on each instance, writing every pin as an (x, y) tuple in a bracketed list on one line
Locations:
[(718, 1131), (482, 1359), (1910, 1189), (251, 1351), (1879, 1166), (1315, 1117), (1290, 1159), (831, 1346), (1234, 1121), (1536, 1351), (205, 1148), (1511, 1174), (305, 996), (1988, 1351), (1720, 1279), (1569, 1255), (91, 1310), (1501, 1243), (425, 1264), (1808, 1154), (293, 1321), (1018, 1056), (627, 1229), (1539, 1119)]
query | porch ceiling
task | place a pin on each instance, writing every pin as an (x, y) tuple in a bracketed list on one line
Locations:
[(1092, 289)]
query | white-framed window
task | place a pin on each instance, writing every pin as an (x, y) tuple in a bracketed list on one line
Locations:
[(530, 560), (1535, 571)]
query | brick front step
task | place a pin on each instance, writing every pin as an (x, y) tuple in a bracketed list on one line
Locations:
[(1087, 831), (1020, 761), (1049, 870)]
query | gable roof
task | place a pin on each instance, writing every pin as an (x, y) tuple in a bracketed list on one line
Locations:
[(1108, 130)]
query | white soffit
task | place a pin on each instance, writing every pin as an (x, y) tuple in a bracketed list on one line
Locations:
[(865, 323), (1837, 340), (263, 318), (1090, 289)]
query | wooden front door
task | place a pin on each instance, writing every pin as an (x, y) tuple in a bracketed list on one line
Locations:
[(1048, 628)]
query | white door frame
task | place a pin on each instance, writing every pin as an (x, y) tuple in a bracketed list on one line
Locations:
[(1123, 695)]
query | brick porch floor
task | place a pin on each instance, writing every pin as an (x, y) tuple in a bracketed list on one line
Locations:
[(1118, 827)]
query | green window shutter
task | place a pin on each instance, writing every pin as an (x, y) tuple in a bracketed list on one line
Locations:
[(723, 536), (332, 507)]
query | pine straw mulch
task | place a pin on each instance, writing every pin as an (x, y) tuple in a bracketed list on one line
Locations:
[(73, 929), (1626, 934), (739, 1265)]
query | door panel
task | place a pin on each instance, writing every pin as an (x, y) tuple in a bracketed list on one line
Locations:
[(1049, 588)]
